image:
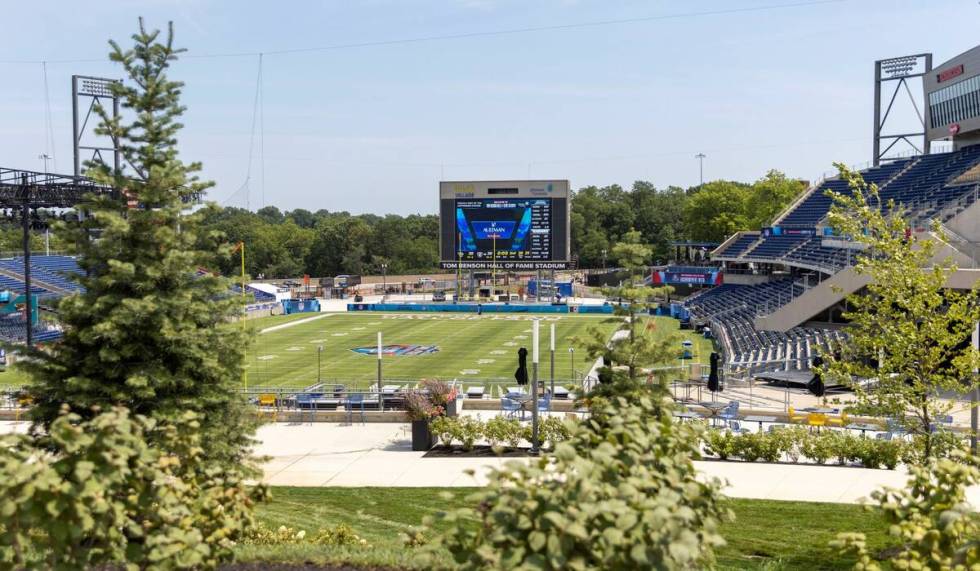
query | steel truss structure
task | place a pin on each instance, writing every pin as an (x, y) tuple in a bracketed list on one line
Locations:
[(30, 190), (899, 70)]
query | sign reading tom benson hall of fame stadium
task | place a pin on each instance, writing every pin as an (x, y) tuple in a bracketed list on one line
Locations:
[(511, 225)]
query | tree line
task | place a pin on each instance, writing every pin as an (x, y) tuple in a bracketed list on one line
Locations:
[(323, 243)]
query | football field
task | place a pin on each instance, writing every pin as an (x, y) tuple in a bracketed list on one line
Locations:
[(464, 347)]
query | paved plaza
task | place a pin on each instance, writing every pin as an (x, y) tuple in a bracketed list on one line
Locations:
[(379, 454)]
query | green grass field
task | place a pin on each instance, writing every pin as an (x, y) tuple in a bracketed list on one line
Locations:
[(767, 535), (477, 348), (470, 348)]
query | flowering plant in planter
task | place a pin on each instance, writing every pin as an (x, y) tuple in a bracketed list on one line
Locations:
[(419, 406), (440, 393)]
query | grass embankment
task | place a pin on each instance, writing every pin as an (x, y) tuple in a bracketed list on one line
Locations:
[(765, 535)]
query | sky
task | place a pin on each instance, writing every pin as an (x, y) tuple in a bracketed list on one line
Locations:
[(594, 91)]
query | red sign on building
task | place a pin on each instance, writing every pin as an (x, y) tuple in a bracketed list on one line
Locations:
[(950, 73)]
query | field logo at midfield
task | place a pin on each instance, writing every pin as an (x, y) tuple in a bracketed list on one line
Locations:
[(400, 350)]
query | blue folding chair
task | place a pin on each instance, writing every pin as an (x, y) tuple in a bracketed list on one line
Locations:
[(510, 407), (354, 401), (544, 404), (730, 412)]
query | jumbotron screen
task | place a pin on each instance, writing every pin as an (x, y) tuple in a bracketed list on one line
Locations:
[(513, 224), (503, 229)]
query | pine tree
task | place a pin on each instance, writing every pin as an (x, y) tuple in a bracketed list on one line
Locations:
[(147, 332), (643, 347)]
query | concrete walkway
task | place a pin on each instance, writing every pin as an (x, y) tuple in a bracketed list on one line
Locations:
[(379, 454)]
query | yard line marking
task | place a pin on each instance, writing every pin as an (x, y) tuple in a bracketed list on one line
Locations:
[(297, 322), (266, 357), (485, 361), (294, 348), (470, 372)]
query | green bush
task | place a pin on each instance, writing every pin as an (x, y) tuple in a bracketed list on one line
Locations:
[(341, 535), (95, 493), (720, 443), (934, 524), (500, 430), (442, 429), (817, 448), (621, 493), (945, 444), (553, 430)]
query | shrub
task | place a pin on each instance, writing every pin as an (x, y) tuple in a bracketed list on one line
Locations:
[(499, 430), (720, 443), (945, 444), (341, 535), (552, 430), (931, 518), (468, 431), (621, 493), (93, 493), (442, 428), (463, 429), (817, 448)]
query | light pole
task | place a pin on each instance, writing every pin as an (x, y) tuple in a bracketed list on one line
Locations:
[(974, 396), (603, 258), (700, 157), (571, 354), (384, 281), (319, 352), (45, 158), (534, 387), (381, 401), (552, 360)]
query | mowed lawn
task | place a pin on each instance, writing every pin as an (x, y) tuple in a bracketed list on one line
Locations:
[(469, 348), (769, 535), (463, 346)]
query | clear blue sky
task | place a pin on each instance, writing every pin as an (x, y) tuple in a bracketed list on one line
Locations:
[(366, 129)]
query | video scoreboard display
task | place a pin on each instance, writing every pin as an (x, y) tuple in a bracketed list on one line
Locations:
[(519, 225)]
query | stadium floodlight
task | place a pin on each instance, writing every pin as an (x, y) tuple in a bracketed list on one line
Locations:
[(899, 70), (97, 90)]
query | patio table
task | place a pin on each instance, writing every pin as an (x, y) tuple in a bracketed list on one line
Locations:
[(760, 419), (863, 427)]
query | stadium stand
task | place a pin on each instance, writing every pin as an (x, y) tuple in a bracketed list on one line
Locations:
[(50, 270), (935, 187), (729, 310)]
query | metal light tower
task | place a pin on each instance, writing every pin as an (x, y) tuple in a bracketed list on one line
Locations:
[(99, 91), (700, 157), (899, 70)]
